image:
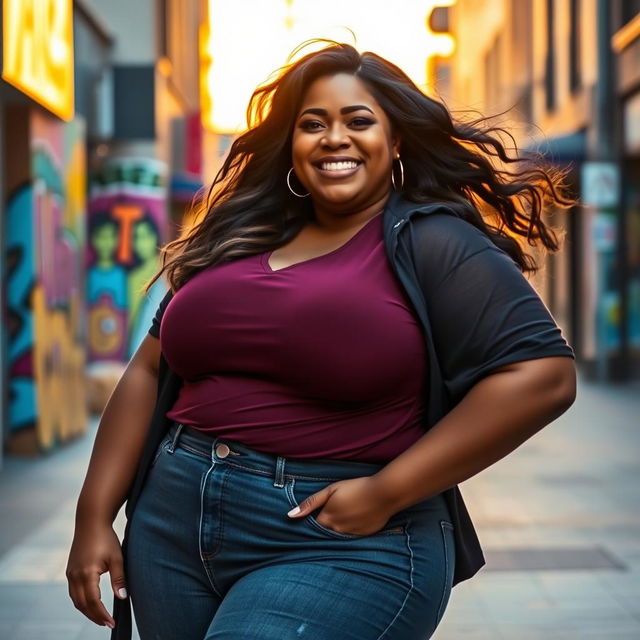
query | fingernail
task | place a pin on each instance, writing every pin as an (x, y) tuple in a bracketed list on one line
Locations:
[(294, 511), (122, 592), (110, 625)]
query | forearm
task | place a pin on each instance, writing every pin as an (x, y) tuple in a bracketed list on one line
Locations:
[(497, 415), (118, 445)]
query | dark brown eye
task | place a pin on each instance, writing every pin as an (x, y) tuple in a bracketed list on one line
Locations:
[(310, 125), (361, 123)]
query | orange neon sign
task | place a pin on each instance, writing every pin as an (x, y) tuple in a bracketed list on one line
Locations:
[(38, 51)]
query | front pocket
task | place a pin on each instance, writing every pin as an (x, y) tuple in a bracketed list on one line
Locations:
[(160, 450), (309, 487)]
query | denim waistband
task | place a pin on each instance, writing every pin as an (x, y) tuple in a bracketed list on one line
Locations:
[(278, 467)]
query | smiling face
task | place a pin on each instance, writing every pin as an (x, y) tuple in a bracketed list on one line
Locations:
[(343, 145)]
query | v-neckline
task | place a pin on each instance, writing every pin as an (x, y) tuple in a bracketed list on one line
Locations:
[(265, 256)]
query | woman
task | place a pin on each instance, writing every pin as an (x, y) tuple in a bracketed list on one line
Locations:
[(341, 295)]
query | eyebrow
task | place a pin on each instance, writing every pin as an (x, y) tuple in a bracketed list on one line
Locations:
[(343, 111)]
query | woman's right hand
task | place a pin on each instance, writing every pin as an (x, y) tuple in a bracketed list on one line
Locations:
[(94, 551)]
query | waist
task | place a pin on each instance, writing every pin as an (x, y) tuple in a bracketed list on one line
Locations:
[(229, 451), (270, 417)]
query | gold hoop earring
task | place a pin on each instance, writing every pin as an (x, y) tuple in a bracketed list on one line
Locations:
[(393, 176), (291, 188)]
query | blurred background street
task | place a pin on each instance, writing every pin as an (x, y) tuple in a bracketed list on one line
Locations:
[(115, 115)]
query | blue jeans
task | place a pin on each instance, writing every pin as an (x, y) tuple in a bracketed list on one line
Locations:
[(213, 555)]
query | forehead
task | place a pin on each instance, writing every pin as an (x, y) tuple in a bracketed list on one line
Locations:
[(337, 91)]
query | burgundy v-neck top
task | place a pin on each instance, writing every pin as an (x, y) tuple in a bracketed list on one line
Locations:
[(321, 359)]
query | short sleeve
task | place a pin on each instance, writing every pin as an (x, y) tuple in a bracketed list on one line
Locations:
[(484, 313), (154, 329)]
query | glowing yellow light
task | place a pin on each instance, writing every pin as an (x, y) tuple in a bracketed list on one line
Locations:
[(243, 41), (37, 47)]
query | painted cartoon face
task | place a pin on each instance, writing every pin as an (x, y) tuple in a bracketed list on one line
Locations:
[(104, 240), (145, 240)]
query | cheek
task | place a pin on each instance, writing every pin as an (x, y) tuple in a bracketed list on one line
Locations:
[(381, 149), (383, 160), (299, 150)]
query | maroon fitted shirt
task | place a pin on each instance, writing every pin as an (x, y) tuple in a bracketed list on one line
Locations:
[(321, 359)]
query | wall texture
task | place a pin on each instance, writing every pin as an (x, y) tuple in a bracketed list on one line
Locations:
[(45, 239)]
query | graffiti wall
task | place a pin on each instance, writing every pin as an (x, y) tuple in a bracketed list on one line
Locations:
[(45, 241), (21, 279), (127, 224)]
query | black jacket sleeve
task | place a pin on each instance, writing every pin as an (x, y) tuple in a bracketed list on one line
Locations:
[(482, 310), (154, 329)]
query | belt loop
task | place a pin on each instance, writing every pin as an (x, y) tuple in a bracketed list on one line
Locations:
[(174, 440), (279, 480)]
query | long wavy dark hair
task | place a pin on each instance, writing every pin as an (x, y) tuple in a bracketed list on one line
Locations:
[(248, 208)]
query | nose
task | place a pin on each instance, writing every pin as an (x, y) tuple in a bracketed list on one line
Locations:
[(336, 137)]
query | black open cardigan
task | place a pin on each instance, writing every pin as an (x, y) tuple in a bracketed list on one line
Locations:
[(477, 312)]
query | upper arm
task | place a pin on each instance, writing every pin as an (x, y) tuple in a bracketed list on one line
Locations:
[(484, 313), (556, 376), (147, 354)]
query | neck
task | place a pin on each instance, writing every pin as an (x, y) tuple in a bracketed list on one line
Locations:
[(341, 220)]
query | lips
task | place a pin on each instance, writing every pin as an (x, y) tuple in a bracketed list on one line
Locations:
[(337, 167)]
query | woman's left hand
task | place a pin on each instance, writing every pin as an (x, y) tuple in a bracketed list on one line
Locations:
[(355, 506)]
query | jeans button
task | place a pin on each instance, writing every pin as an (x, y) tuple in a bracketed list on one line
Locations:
[(222, 450)]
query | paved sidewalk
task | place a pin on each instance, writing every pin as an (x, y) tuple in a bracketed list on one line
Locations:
[(558, 519), (37, 503), (573, 487)]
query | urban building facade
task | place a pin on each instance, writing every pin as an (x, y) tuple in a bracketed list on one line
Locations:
[(562, 76), (44, 202), (101, 140)]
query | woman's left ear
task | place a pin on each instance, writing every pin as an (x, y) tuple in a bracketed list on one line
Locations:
[(396, 147)]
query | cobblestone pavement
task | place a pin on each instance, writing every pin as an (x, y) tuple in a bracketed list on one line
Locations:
[(558, 519)]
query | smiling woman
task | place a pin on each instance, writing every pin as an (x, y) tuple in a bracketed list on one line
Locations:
[(337, 105), (346, 340), (342, 150)]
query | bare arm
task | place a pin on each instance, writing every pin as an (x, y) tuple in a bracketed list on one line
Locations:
[(116, 453), (502, 357), (497, 415), (121, 435)]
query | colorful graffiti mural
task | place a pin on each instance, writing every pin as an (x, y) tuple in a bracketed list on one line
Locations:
[(45, 240), (127, 225), (20, 260)]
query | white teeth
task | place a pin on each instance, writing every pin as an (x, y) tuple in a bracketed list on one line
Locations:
[(338, 166)]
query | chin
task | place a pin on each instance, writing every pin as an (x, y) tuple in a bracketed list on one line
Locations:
[(337, 197)]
